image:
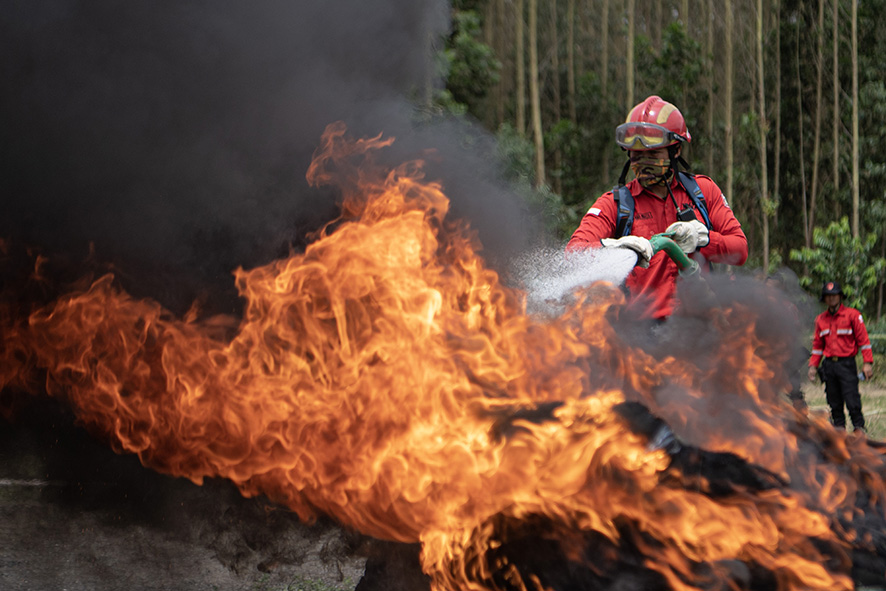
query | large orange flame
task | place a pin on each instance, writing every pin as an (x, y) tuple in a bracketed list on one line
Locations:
[(387, 378)]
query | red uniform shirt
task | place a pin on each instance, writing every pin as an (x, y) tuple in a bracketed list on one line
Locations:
[(652, 289), (841, 334)]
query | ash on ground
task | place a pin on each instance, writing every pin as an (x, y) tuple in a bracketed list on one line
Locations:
[(76, 516)]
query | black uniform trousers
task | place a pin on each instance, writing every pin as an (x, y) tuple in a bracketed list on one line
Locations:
[(840, 376)]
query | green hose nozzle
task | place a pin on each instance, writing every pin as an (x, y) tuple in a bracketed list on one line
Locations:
[(664, 242)]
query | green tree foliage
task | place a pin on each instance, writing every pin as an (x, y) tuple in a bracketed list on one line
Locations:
[(470, 65), (675, 73), (582, 160), (581, 145), (837, 256), (518, 157), (872, 99)]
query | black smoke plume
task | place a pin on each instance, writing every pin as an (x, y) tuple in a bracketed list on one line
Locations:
[(171, 139)]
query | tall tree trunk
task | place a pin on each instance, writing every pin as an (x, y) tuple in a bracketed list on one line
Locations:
[(604, 73), (519, 56), (776, 174), (880, 283), (764, 181), (500, 50), (587, 18), (657, 26), (836, 83), (684, 18), (604, 45), (816, 146), (490, 38), (555, 61), (801, 141), (728, 115), (570, 58), (709, 50), (855, 187), (629, 51), (880, 286), (556, 98), (534, 95)]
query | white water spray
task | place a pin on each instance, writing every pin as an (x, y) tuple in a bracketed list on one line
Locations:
[(549, 275)]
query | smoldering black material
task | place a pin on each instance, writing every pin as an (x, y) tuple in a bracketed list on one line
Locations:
[(565, 558), (718, 473), (393, 566), (536, 547), (507, 421)]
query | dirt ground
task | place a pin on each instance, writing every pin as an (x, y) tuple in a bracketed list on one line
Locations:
[(75, 516), (873, 399)]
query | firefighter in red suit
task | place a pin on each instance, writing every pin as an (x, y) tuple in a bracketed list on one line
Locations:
[(839, 335), (653, 135)]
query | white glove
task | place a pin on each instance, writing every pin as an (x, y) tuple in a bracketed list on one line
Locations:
[(690, 235), (640, 245)]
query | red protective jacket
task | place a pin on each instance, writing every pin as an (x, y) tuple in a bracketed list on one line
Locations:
[(652, 290), (841, 334)]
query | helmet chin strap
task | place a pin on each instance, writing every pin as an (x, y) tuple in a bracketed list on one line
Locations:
[(677, 159), (624, 173), (676, 162)]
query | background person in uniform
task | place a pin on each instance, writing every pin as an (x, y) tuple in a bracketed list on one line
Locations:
[(839, 334)]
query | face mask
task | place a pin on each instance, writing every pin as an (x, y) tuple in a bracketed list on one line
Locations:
[(651, 172)]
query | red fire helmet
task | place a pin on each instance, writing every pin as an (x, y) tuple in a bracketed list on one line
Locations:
[(653, 124)]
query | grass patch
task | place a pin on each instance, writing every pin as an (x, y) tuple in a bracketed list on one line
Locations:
[(873, 405), (300, 584)]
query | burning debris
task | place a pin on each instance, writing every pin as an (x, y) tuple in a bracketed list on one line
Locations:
[(387, 378)]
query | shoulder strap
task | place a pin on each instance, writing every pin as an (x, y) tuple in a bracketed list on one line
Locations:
[(694, 191), (624, 204)]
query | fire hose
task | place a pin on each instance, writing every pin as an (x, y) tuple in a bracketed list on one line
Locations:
[(703, 299), (664, 243)]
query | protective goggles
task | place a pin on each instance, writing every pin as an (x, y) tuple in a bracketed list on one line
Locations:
[(645, 136)]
